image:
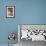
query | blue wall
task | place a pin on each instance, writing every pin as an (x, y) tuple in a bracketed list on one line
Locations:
[(31, 11), (27, 12), (7, 25)]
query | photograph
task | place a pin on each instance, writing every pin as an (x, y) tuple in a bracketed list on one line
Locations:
[(10, 11)]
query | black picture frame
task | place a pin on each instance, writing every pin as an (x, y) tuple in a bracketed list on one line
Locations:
[(10, 11)]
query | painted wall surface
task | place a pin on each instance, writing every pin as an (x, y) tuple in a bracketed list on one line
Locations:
[(31, 11), (7, 25), (26, 12)]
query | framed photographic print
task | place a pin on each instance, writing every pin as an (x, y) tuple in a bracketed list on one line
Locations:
[(10, 11)]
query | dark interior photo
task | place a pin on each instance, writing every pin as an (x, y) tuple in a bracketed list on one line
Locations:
[(10, 11)]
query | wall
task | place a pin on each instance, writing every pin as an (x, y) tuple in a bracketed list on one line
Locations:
[(7, 25), (27, 12), (31, 11)]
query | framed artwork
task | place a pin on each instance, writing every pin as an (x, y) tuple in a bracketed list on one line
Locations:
[(34, 32), (10, 11)]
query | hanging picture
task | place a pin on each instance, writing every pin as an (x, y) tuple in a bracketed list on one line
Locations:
[(10, 11)]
